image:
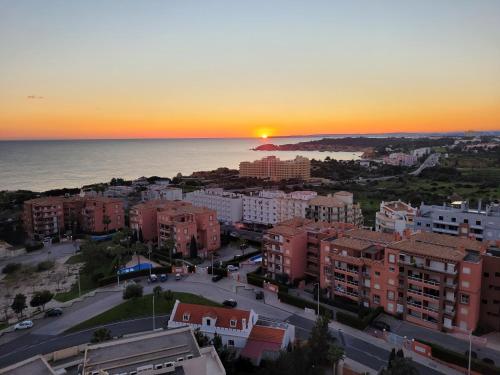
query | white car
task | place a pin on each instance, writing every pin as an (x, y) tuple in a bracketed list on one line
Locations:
[(232, 268), (23, 325)]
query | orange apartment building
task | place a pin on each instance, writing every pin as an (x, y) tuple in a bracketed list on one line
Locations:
[(291, 249), (429, 279), (51, 216), (177, 221), (275, 169), (490, 289)]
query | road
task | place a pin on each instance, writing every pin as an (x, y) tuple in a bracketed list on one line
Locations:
[(51, 252), (48, 335)]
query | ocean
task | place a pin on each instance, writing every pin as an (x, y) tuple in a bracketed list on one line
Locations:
[(44, 165)]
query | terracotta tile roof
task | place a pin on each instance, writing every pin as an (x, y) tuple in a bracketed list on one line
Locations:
[(222, 315), (368, 235), (267, 334), (447, 240), (399, 206), (430, 250), (352, 243)]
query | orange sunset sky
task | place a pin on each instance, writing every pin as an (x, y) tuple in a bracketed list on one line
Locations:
[(151, 69)]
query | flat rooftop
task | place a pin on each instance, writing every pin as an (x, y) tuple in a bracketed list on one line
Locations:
[(154, 348), (32, 366)]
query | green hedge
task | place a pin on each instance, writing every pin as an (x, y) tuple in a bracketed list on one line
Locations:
[(257, 280), (341, 304), (33, 246), (358, 322), (460, 359), (302, 303), (112, 279)]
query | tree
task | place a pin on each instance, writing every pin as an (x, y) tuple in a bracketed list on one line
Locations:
[(335, 355), (201, 339), (11, 268), (157, 291), (132, 291), (168, 295), (217, 342), (392, 356), (41, 299), (19, 304), (402, 366), (193, 248), (101, 335), (319, 340), (106, 221)]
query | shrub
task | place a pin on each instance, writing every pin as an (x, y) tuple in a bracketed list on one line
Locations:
[(461, 360), (302, 303), (56, 240), (168, 295), (341, 303), (11, 268), (101, 335), (33, 246), (132, 291), (44, 266), (364, 318)]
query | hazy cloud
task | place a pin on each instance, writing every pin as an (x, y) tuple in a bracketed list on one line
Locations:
[(34, 97)]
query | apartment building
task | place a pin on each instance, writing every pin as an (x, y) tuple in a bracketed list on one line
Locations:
[(161, 192), (270, 207), (51, 216), (118, 191), (229, 206), (144, 217), (490, 289), (395, 217), (181, 224), (435, 281), (291, 249), (459, 219), (274, 169), (419, 152), (238, 329), (339, 207), (173, 351), (400, 159), (428, 279)]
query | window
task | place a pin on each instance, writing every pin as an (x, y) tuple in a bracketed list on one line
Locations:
[(497, 274), (478, 222), (464, 298), (392, 258), (440, 218), (376, 299), (230, 342), (486, 274), (428, 225), (453, 219), (419, 224), (377, 273), (209, 322), (466, 270), (185, 317), (232, 323), (484, 302), (392, 269), (390, 295), (466, 221), (465, 284)]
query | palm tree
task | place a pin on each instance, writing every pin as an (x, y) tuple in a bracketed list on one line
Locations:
[(106, 221), (335, 355)]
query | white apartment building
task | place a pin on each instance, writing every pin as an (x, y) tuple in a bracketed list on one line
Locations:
[(229, 206), (274, 206), (419, 152), (401, 159), (394, 217), (118, 191), (161, 192)]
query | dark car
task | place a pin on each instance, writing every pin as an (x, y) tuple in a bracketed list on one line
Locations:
[(259, 295), (381, 325), (217, 278), (230, 303), (53, 312)]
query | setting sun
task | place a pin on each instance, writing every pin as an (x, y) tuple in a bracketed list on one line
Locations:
[(264, 136)]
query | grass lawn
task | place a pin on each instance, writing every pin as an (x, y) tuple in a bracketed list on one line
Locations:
[(140, 307), (77, 258), (3, 325), (86, 285)]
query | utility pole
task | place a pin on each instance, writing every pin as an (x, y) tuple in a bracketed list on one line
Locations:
[(154, 325), (79, 287)]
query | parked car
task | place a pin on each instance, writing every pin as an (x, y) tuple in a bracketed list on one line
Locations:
[(216, 278), (23, 325), (153, 278), (178, 276), (380, 325), (53, 312), (163, 277), (259, 294), (232, 268), (230, 303)]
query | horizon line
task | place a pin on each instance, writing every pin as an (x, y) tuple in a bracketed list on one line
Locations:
[(248, 137)]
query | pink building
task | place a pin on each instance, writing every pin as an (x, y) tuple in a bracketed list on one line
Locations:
[(177, 221), (51, 216), (428, 279), (400, 158), (291, 248)]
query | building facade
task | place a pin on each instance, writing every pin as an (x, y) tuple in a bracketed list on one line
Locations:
[(490, 289), (428, 279), (339, 207), (291, 249), (394, 217), (52, 216), (161, 192), (400, 159), (229, 206), (459, 219), (274, 169)]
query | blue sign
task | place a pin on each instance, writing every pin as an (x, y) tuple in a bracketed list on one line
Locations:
[(137, 267)]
